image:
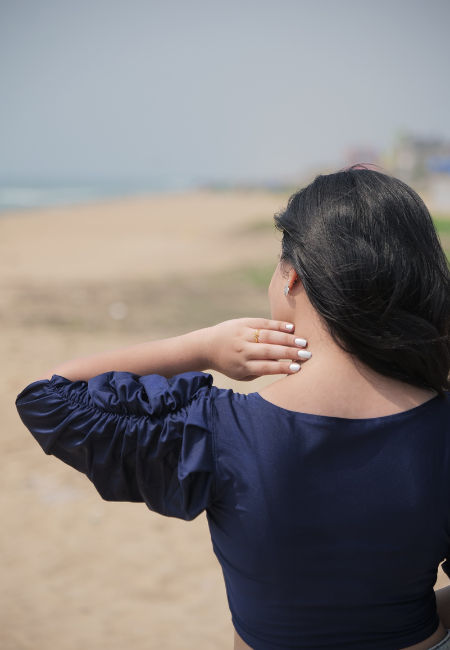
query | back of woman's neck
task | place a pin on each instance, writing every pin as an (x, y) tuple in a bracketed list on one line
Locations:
[(334, 383)]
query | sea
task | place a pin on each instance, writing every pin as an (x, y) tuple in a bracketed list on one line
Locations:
[(21, 195)]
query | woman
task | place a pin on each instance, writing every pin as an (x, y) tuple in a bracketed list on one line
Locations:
[(327, 493)]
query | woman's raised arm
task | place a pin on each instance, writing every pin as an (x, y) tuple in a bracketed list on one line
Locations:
[(230, 347)]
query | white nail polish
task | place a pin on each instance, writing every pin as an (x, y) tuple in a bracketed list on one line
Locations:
[(294, 367), (289, 327), (304, 354), (300, 342)]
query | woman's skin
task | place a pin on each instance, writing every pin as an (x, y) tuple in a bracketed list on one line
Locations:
[(332, 383)]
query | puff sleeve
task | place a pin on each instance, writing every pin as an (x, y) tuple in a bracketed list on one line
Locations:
[(136, 438)]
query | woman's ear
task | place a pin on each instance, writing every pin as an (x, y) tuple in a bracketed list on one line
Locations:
[(293, 279)]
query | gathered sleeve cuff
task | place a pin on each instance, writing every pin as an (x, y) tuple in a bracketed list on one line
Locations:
[(136, 438)]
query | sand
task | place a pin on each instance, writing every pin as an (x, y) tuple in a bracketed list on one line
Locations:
[(77, 572), (138, 238)]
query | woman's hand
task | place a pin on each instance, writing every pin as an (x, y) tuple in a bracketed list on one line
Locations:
[(233, 350)]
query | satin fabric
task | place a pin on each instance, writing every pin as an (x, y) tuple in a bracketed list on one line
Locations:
[(329, 531), (136, 438)]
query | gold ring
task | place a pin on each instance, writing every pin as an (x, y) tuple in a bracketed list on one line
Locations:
[(256, 336)]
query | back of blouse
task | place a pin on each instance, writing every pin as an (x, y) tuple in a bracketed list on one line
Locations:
[(329, 531)]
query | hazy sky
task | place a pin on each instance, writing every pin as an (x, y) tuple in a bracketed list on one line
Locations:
[(208, 89)]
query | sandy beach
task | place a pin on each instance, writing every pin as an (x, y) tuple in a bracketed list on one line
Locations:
[(78, 573)]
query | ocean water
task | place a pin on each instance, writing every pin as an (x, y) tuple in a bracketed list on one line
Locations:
[(20, 195)]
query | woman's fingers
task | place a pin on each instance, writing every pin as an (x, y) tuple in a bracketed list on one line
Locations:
[(267, 351), (267, 367), (277, 338), (267, 324), (274, 344)]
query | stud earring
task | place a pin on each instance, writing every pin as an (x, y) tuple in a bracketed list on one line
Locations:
[(286, 289)]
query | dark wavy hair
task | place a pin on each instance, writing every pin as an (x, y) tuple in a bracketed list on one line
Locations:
[(366, 250)]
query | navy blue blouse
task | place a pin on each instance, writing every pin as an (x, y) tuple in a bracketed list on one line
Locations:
[(329, 531)]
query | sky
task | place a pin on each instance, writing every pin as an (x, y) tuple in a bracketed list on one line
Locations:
[(212, 91)]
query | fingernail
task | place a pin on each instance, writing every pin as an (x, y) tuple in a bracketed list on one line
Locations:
[(289, 326), (304, 354), (300, 342), (294, 367)]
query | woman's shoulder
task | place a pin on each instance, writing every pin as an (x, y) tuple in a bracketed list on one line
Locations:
[(241, 404), (266, 411)]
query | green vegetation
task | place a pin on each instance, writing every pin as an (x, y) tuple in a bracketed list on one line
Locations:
[(263, 224), (258, 276), (442, 224)]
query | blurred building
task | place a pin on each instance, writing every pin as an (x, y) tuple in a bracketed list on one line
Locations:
[(424, 163)]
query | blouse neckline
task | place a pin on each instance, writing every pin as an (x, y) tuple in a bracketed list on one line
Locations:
[(329, 418)]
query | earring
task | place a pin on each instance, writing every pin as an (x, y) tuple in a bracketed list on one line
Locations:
[(286, 289)]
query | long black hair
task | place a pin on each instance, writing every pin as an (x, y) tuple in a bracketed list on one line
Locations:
[(366, 250)]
